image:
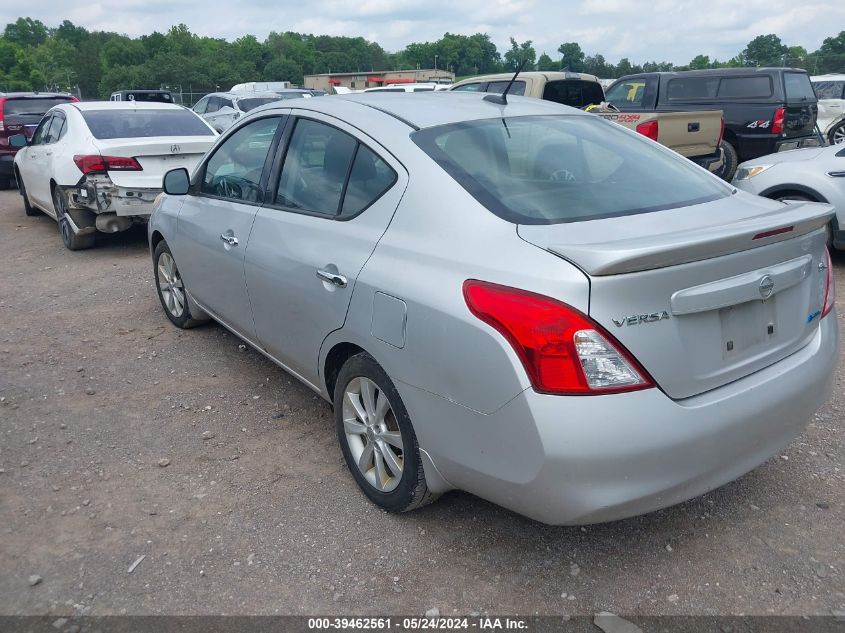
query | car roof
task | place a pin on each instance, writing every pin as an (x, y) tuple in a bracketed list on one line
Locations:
[(246, 94), (85, 106), (34, 95), (709, 72), (426, 109), (548, 76)]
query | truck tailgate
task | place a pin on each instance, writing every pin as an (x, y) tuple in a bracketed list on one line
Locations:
[(691, 134)]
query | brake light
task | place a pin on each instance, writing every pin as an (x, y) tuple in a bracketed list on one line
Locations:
[(96, 164), (2, 105), (563, 351), (830, 288), (649, 129), (721, 131), (777, 121)]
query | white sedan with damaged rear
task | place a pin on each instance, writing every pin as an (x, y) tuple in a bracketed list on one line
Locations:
[(97, 167)]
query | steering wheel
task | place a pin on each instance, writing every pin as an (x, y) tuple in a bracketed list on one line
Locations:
[(562, 175), (235, 188)]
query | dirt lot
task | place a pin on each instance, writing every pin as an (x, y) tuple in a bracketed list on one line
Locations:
[(256, 513)]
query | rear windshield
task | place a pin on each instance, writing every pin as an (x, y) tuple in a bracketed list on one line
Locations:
[(798, 87), (576, 93), (253, 102), (36, 107), (157, 97), (556, 169), (129, 123)]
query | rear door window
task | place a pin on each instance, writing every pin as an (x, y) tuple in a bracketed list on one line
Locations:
[(798, 87), (498, 87), (201, 105), (632, 93), (369, 179), (213, 104), (758, 87), (56, 128), (39, 136), (829, 89), (476, 87)]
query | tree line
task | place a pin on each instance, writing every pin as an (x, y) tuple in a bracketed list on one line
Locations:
[(34, 56)]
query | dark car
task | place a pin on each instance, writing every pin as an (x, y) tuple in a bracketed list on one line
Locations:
[(20, 113), (766, 110), (159, 96)]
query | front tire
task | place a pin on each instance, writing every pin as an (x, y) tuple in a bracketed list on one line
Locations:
[(27, 206), (171, 288), (71, 240), (377, 438)]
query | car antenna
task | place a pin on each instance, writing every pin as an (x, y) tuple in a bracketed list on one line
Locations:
[(502, 99)]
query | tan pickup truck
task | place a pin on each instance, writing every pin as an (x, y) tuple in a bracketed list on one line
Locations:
[(695, 135)]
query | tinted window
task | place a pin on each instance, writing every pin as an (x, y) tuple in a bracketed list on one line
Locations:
[(31, 107), (468, 88), (315, 168), (746, 87), (423, 89), (574, 92), (369, 179), (554, 169), (130, 123), (234, 171), (159, 97), (498, 87), (213, 104), (253, 102), (682, 88), (829, 89), (798, 87), (56, 128)]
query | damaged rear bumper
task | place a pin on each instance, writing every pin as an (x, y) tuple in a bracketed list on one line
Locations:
[(96, 203)]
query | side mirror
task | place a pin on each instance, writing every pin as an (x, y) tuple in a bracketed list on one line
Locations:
[(177, 182), (17, 141)]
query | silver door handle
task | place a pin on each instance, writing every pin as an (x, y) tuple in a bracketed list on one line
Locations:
[(231, 240), (332, 278)]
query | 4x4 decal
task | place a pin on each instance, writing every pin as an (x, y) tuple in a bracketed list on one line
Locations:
[(761, 123)]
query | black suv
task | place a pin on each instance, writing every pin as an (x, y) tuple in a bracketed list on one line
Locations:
[(20, 113), (765, 110)]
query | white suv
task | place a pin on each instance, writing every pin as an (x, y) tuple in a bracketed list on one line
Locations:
[(830, 91)]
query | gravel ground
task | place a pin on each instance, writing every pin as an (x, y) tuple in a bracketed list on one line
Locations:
[(124, 437)]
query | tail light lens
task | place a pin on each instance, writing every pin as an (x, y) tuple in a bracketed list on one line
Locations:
[(830, 288), (563, 351), (777, 121), (2, 122), (649, 129), (96, 164), (721, 132)]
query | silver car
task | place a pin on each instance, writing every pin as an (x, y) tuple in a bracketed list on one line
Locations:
[(802, 175), (516, 299), (222, 109)]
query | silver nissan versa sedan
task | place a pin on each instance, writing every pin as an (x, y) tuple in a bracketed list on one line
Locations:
[(516, 299)]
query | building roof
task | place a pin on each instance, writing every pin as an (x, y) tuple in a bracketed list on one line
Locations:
[(382, 72)]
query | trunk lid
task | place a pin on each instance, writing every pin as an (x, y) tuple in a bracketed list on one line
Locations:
[(692, 294), (156, 155)]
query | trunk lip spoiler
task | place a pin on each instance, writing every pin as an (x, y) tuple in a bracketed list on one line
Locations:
[(682, 247)]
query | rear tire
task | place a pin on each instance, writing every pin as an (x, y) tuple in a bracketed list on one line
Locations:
[(5, 183), (27, 206), (836, 136), (71, 240), (171, 288), (730, 161), (372, 424)]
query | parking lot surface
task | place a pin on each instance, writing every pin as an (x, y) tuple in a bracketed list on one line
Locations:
[(124, 437)]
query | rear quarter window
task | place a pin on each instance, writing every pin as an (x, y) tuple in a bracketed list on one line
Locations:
[(130, 123), (829, 89), (686, 88), (746, 87)]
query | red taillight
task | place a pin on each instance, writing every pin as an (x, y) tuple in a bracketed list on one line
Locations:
[(96, 164), (721, 131), (830, 288), (649, 129), (563, 351), (2, 105), (777, 121)]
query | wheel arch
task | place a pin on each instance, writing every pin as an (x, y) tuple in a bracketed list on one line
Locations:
[(337, 355), (791, 188)]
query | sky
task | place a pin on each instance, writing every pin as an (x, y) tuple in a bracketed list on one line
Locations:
[(657, 30)]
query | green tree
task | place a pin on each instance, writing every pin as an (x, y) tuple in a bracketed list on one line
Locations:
[(572, 57), (544, 62), (519, 54), (700, 62), (26, 32), (764, 50)]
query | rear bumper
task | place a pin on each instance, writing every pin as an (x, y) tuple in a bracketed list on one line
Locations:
[(570, 460), (100, 195), (750, 146)]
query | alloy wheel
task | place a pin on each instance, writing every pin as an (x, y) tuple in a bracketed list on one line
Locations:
[(372, 434), (838, 135), (170, 285)]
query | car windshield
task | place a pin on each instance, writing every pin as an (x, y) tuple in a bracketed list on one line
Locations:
[(31, 107), (132, 123), (253, 102), (556, 169)]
